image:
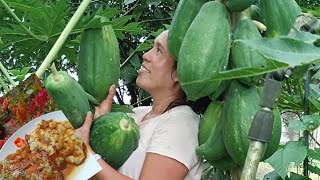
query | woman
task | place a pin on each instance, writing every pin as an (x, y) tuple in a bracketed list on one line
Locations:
[(168, 129)]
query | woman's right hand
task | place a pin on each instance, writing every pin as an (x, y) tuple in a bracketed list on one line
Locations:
[(106, 105)]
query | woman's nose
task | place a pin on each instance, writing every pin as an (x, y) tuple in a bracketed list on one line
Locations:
[(145, 56)]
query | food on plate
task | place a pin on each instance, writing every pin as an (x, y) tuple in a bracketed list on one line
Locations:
[(47, 151)]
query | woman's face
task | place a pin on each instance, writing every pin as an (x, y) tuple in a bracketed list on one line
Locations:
[(158, 70)]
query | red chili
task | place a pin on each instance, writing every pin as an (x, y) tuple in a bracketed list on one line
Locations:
[(19, 142)]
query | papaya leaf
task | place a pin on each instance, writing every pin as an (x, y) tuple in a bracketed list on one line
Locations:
[(294, 152), (30, 7), (290, 51), (144, 46), (245, 72), (15, 72), (121, 108), (133, 28), (297, 125), (314, 154), (304, 36), (25, 70)]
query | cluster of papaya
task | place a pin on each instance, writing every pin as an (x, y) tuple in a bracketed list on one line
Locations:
[(202, 40), (114, 135)]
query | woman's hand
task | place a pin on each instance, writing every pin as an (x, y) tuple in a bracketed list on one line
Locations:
[(103, 108), (106, 104)]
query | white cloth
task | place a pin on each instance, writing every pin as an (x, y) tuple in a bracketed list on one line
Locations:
[(173, 134)]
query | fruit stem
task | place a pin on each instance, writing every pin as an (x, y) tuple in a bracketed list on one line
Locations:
[(54, 70)]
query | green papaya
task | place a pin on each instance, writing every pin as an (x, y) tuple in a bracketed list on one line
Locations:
[(209, 120), (278, 15), (204, 50), (69, 95), (243, 56), (114, 136), (213, 148), (184, 14), (99, 61), (225, 163), (241, 105), (238, 5)]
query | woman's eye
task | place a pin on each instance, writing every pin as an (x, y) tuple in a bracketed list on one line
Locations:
[(159, 50)]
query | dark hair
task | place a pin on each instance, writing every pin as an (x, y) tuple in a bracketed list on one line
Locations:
[(198, 106)]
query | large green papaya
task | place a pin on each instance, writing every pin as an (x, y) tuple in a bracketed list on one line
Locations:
[(99, 61), (243, 56), (278, 15), (114, 136), (69, 95), (184, 14), (204, 50), (213, 148), (241, 105), (238, 5), (209, 120)]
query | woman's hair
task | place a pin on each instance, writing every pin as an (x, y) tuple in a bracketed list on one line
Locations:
[(199, 106)]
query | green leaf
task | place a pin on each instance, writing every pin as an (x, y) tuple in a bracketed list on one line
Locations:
[(314, 97), (121, 108), (135, 61), (15, 72), (144, 46), (297, 125), (289, 102), (20, 78), (120, 22), (286, 50), (25, 70), (314, 169), (314, 154), (128, 73), (133, 28), (294, 152), (312, 122), (304, 36)]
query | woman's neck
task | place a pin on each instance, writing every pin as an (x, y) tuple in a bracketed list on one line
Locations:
[(159, 106)]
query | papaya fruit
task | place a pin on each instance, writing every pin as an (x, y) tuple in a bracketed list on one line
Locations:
[(213, 148), (114, 136), (238, 5), (69, 96), (184, 14), (241, 105), (204, 50), (278, 16), (243, 56), (99, 61)]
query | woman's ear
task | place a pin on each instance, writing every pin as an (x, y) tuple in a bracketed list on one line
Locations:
[(174, 76)]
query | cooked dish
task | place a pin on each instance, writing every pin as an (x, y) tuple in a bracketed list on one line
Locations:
[(48, 150)]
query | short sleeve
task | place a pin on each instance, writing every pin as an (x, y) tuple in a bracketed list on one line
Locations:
[(177, 137)]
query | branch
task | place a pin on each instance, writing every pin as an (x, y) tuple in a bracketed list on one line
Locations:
[(6, 74), (21, 23), (133, 7), (314, 139), (62, 38)]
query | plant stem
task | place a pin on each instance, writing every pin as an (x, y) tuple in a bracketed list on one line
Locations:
[(141, 100), (3, 84), (300, 87), (62, 38), (307, 112), (3, 69), (314, 139), (21, 23)]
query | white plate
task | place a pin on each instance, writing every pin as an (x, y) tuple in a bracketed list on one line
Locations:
[(86, 170)]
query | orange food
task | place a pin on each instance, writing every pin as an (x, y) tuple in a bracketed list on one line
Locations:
[(19, 142)]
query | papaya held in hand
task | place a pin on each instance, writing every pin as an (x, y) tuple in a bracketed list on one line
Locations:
[(69, 95)]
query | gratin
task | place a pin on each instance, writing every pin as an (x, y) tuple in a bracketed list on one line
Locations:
[(48, 150)]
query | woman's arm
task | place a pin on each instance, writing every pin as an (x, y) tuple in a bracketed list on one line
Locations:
[(159, 167)]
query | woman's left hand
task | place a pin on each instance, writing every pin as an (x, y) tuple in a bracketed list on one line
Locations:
[(84, 130)]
